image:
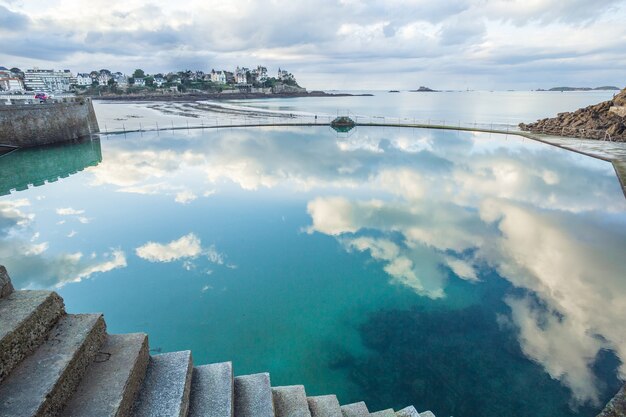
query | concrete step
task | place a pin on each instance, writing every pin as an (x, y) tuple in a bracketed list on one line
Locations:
[(253, 396), (113, 379), (166, 387), (355, 410), (43, 383), (212, 391), (426, 414), (324, 406), (25, 319), (409, 411), (384, 413), (6, 287), (290, 401)]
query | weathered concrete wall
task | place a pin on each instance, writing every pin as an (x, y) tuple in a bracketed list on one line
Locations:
[(39, 124)]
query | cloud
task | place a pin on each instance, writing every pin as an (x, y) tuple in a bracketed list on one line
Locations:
[(336, 44), (12, 214), (117, 260), (11, 21), (185, 197), (561, 345), (185, 248), (415, 268), (68, 211), (188, 246)]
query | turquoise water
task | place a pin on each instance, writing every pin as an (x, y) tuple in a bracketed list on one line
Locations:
[(469, 274)]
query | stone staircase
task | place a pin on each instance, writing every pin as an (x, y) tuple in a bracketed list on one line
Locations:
[(58, 364)]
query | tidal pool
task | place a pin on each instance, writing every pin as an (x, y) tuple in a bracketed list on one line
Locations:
[(466, 273)]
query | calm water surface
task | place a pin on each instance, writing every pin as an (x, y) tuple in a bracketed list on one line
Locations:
[(469, 274)]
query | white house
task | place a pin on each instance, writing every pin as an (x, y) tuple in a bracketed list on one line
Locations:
[(120, 79), (140, 82), (159, 81), (241, 75), (284, 75), (218, 77), (260, 74), (11, 84), (103, 78), (83, 79)]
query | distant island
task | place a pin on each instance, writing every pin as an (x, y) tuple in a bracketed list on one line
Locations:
[(603, 88), (394, 91), (423, 89)]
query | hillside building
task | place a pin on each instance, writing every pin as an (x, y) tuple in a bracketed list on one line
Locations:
[(49, 81)]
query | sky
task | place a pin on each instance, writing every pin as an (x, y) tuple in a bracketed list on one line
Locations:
[(331, 44)]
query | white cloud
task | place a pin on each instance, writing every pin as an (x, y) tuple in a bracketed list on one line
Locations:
[(36, 249), (185, 197), (118, 260), (68, 211), (462, 269), (188, 246), (12, 214)]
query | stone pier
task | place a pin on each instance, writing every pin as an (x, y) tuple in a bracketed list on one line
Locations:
[(25, 125)]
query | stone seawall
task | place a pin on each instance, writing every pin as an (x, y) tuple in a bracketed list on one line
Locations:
[(25, 125)]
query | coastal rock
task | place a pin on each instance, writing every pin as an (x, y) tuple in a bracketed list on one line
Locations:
[(617, 406), (6, 287), (603, 121)]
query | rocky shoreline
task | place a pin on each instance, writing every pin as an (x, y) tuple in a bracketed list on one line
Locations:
[(603, 121), (186, 97)]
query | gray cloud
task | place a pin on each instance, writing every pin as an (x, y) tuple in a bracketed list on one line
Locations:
[(10, 20), (331, 42)]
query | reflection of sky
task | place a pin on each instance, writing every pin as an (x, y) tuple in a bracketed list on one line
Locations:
[(430, 208)]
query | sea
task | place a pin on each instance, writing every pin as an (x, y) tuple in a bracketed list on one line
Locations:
[(466, 273)]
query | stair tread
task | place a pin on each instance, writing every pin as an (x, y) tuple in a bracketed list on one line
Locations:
[(409, 411), (212, 391), (43, 382), (290, 401), (25, 319), (166, 386), (113, 379), (384, 413), (355, 410), (253, 396), (324, 406)]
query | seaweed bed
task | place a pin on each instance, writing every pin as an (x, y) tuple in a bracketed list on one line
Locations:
[(431, 360)]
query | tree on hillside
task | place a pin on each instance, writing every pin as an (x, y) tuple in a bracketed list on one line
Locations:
[(139, 73), (18, 72), (149, 81)]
